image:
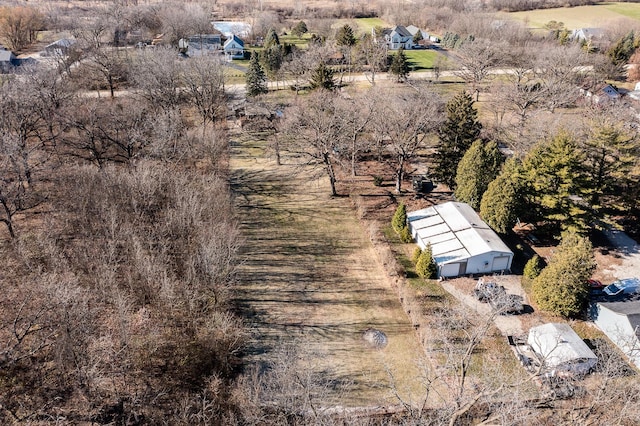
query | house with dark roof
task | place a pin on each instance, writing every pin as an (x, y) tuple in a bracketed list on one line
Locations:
[(620, 321), (59, 47), (398, 37), (204, 44), (234, 47)]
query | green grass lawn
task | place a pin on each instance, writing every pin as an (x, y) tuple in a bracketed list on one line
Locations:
[(580, 17), (366, 24), (300, 42), (421, 59)]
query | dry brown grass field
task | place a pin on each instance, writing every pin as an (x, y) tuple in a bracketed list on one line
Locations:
[(311, 279)]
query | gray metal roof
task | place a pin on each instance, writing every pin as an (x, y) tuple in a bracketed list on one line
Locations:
[(455, 231)]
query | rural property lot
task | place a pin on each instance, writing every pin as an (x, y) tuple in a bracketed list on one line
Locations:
[(310, 279)]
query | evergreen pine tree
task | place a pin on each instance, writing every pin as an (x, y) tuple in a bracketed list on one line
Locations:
[(399, 220), (562, 287), (426, 266), (533, 267), (399, 66), (345, 36), (322, 78), (417, 37), (271, 39), (256, 81), (456, 135), (479, 166), (503, 201)]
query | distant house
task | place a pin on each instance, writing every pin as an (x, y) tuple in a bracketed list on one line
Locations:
[(204, 44), (234, 47), (461, 243), (59, 47), (586, 34), (601, 93), (620, 321), (561, 350), (8, 61), (398, 37)]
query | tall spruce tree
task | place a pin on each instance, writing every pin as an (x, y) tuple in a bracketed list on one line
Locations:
[(459, 131), (479, 166), (322, 78), (556, 182), (400, 66), (256, 81), (503, 201), (345, 36)]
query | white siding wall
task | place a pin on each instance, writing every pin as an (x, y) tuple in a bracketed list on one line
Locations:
[(618, 329)]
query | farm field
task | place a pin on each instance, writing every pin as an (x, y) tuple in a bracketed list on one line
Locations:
[(580, 17), (310, 279)]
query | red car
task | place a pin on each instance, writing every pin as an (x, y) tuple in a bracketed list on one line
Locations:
[(595, 284)]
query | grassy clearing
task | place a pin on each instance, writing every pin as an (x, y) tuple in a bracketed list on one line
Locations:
[(421, 59), (365, 25), (310, 279), (580, 17)]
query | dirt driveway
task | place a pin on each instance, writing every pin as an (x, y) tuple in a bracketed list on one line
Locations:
[(311, 280), (462, 289)]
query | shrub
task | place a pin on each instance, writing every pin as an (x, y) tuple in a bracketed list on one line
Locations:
[(533, 267), (426, 266), (399, 221), (377, 180), (405, 235), (416, 255)]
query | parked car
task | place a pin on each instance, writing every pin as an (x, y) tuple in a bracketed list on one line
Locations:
[(595, 284), (613, 290)]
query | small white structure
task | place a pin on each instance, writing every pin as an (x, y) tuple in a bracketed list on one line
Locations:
[(561, 350), (234, 47), (461, 243), (620, 321)]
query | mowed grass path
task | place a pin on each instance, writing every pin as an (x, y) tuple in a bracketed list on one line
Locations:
[(310, 278), (580, 17)]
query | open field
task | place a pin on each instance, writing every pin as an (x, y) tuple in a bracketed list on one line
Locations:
[(311, 279), (580, 17), (421, 59)]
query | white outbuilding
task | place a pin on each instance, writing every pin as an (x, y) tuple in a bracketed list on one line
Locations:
[(461, 243), (561, 350), (620, 321)]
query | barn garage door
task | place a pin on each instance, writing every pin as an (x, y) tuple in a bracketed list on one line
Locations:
[(450, 270), (500, 263)]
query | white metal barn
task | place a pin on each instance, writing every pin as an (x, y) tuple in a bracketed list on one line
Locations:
[(620, 321), (561, 350), (460, 241)]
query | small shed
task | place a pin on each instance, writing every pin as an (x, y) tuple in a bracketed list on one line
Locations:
[(561, 350), (461, 243), (620, 321)]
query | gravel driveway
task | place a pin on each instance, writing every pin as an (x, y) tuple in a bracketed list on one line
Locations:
[(628, 251), (462, 289)]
